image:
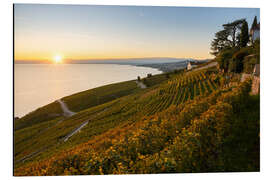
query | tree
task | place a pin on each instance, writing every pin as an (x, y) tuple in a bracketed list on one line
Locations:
[(220, 42), (228, 37), (233, 29), (224, 58), (236, 62), (244, 37)]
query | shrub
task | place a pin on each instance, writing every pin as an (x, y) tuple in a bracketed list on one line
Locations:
[(249, 63), (224, 58), (236, 64)]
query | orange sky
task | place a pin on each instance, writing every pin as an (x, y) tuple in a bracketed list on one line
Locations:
[(107, 32)]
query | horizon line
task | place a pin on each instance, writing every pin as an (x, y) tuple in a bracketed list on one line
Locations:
[(131, 58)]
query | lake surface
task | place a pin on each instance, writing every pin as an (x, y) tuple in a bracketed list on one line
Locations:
[(36, 85)]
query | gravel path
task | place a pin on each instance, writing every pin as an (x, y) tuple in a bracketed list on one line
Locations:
[(75, 131), (67, 112), (82, 125)]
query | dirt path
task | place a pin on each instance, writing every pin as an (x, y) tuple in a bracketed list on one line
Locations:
[(141, 85), (205, 67), (82, 125), (66, 111)]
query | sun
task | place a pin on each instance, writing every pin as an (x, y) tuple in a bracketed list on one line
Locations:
[(57, 59)]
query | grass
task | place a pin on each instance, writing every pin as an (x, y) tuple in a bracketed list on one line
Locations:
[(43, 114), (100, 95), (244, 140)]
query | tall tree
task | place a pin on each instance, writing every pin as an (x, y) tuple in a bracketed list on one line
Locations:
[(228, 37), (244, 37), (232, 29), (220, 42)]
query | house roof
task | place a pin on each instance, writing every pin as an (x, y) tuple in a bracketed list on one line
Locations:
[(256, 27)]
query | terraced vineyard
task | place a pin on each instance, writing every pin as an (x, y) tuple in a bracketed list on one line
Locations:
[(128, 132)]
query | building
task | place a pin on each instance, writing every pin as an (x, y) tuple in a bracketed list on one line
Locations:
[(189, 66), (255, 30)]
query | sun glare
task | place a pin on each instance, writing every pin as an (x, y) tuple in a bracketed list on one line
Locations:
[(57, 59)]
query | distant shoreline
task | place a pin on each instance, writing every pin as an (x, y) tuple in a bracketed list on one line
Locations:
[(82, 79), (163, 65)]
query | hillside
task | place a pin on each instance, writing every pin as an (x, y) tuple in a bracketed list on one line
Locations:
[(182, 122)]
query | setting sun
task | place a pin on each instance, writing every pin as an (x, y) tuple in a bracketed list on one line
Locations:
[(57, 59)]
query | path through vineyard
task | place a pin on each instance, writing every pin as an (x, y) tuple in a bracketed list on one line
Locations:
[(65, 109), (141, 85), (82, 125), (207, 66)]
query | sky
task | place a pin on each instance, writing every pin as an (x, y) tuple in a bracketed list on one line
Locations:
[(78, 32)]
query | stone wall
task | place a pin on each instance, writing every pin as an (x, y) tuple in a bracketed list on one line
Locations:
[(255, 88)]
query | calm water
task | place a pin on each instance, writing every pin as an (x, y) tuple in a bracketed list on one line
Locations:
[(36, 85)]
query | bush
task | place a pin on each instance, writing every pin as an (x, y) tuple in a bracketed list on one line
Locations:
[(256, 48), (236, 64), (249, 63), (224, 58), (145, 81)]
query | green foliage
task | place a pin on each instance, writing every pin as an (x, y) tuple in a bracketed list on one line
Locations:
[(256, 49), (244, 37), (236, 64), (229, 47), (228, 37), (233, 29), (154, 80), (100, 95), (238, 60), (249, 63), (225, 57), (45, 113), (220, 42)]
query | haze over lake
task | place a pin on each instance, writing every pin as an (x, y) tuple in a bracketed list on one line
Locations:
[(36, 85)]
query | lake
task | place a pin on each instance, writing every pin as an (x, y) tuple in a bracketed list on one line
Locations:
[(36, 85)]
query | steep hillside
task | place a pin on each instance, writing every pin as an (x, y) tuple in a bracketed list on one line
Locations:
[(184, 122)]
